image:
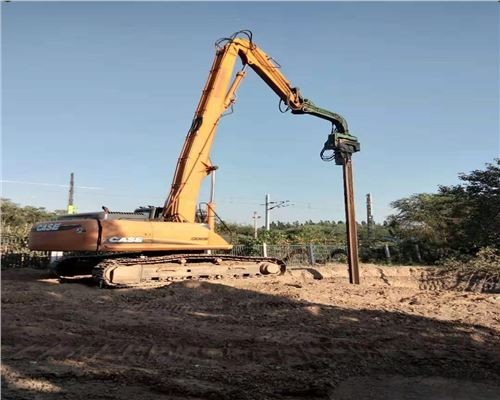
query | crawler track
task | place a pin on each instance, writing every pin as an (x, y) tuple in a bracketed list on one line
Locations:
[(147, 271)]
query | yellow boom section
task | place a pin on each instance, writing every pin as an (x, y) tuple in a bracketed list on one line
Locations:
[(219, 93)]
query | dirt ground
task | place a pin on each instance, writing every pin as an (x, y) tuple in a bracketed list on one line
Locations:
[(294, 337)]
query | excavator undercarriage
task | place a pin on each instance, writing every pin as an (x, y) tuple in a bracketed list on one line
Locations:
[(119, 270)]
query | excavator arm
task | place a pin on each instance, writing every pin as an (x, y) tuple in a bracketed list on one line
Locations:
[(218, 95)]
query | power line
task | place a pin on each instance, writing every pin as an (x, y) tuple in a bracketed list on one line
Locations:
[(49, 184), (271, 205)]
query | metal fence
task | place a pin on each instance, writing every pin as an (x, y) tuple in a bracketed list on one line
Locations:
[(307, 254), (16, 255), (310, 254), (24, 260)]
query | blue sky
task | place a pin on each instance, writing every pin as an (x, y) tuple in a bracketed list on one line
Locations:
[(108, 91)]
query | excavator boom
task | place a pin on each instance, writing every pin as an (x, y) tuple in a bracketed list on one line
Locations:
[(218, 94)]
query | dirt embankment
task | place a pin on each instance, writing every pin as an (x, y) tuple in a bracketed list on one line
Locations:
[(292, 337)]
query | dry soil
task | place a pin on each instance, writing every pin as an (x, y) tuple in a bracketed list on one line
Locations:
[(395, 336)]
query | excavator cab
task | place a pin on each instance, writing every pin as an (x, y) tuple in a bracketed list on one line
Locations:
[(152, 212)]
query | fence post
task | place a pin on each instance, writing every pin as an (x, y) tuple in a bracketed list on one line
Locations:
[(417, 251), (312, 258), (387, 253)]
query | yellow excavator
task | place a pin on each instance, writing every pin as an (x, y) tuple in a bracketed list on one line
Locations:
[(176, 241)]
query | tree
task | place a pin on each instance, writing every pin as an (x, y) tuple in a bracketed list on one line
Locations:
[(17, 219), (424, 217), (461, 218), (16, 223), (478, 206)]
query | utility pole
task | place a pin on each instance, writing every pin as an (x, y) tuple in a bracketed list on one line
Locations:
[(266, 214), (268, 200), (270, 205), (369, 216), (255, 218), (71, 206)]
